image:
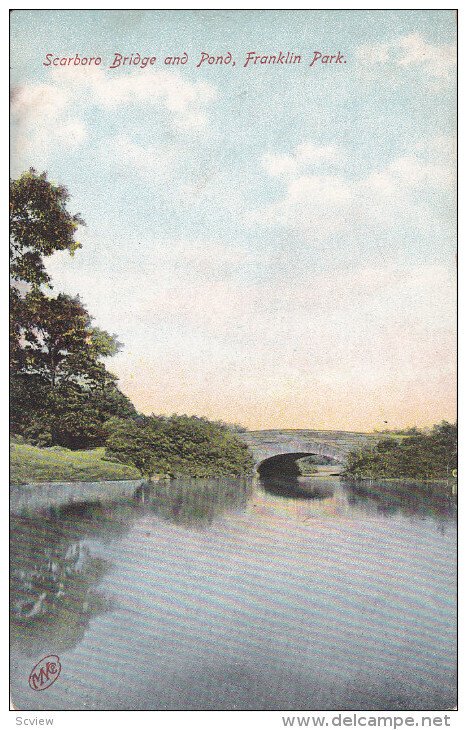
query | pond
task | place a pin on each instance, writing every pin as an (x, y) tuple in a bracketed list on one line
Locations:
[(293, 594)]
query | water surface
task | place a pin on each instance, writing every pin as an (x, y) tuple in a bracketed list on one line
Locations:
[(307, 594)]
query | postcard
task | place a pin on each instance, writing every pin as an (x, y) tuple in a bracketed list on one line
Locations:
[(233, 361)]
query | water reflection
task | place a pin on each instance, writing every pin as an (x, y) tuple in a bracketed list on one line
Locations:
[(282, 593), (196, 503), (293, 488), (392, 498), (53, 572)]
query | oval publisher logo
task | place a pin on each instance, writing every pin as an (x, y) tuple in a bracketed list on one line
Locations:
[(44, 674)]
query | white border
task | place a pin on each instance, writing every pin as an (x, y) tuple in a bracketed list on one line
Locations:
[(228, 720)]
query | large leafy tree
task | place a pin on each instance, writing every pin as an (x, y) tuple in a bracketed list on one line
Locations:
[(40, 224), (60, 343), (61, 390)]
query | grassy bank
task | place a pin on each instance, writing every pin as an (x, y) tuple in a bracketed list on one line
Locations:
[(33, 464)]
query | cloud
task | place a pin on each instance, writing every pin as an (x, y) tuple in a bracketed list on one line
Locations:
[(443, 146), (311, 202), (41, 121), (345, 335), (394, 298), (304, 156), (186, 102), (410, 51), (48, 118), (327, 203), (333, 345), (182, 178), (150, 161), (437, 60), (195, 290)]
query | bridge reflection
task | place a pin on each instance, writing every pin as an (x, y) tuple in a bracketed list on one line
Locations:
[(292, 487)]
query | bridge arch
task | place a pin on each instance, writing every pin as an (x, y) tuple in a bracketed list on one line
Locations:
[(295, 449), (333, 444), (284, 464)]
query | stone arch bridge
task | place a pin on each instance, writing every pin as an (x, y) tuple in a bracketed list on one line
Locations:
[(336, 445)]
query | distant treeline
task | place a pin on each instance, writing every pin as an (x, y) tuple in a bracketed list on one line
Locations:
[(419, 455), (62, 393)]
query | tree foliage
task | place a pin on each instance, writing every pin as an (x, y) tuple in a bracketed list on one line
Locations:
[(61, 390), (430, 455), (59, 342), (40, 224), (174, 445)]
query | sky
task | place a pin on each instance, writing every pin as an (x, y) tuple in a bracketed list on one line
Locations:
[(275, 244)]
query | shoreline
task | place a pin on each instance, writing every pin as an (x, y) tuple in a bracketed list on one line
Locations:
[(44, 495), (401, 482)]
